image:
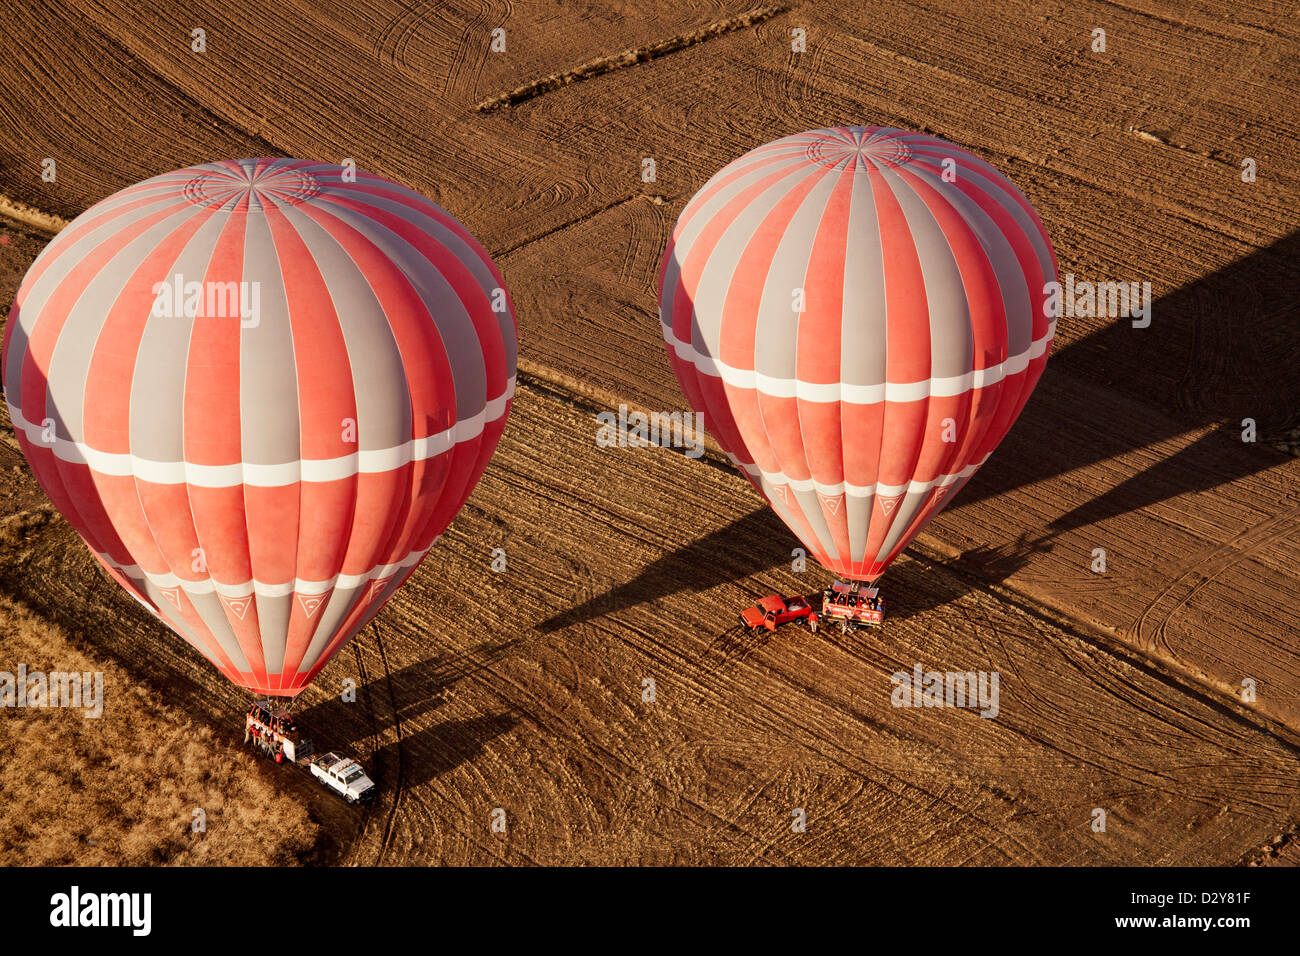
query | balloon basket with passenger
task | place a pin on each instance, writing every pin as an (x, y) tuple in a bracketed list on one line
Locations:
[(852, 605), (273, 733)]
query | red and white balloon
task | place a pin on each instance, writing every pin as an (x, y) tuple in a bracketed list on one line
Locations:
[(859, 313), (260, 389)]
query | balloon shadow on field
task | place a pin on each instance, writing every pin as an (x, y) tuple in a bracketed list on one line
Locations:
[(760, 541), (443, 747), (752, 543), (405, 694), (1220, 349)]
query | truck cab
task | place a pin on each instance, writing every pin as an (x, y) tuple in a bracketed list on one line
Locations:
[(344, 776), (773, 611)]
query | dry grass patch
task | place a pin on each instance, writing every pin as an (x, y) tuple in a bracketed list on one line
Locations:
[(123, 789)]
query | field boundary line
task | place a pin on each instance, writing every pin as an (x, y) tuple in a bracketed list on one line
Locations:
[(31, 217), (611, 62), (655, 198)]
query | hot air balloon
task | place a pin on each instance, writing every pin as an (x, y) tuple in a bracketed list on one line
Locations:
[(860, 315), (259, 390)]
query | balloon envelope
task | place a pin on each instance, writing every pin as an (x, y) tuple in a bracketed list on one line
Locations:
[(859, 313), (260, 389)]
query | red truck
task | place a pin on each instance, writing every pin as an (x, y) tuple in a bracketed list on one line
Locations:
[(773, 611)]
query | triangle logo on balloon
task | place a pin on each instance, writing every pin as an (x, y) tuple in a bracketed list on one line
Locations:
[(783, 491), (377, 586), (173, 596), (832, 505), (888, 502), (310, 604), (237, 606)]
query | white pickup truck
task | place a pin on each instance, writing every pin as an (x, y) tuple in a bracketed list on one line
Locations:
[(344, 776)]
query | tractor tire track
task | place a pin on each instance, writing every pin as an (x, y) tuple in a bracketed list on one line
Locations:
[(399, 789), (375, 738), (1149, 632)]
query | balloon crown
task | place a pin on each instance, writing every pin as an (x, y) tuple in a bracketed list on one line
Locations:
[(845, 144), (253, 181)]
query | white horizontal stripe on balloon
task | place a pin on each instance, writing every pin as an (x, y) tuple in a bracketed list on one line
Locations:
[(858, 394), (857, 491), (366, 461), (266, 589)]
